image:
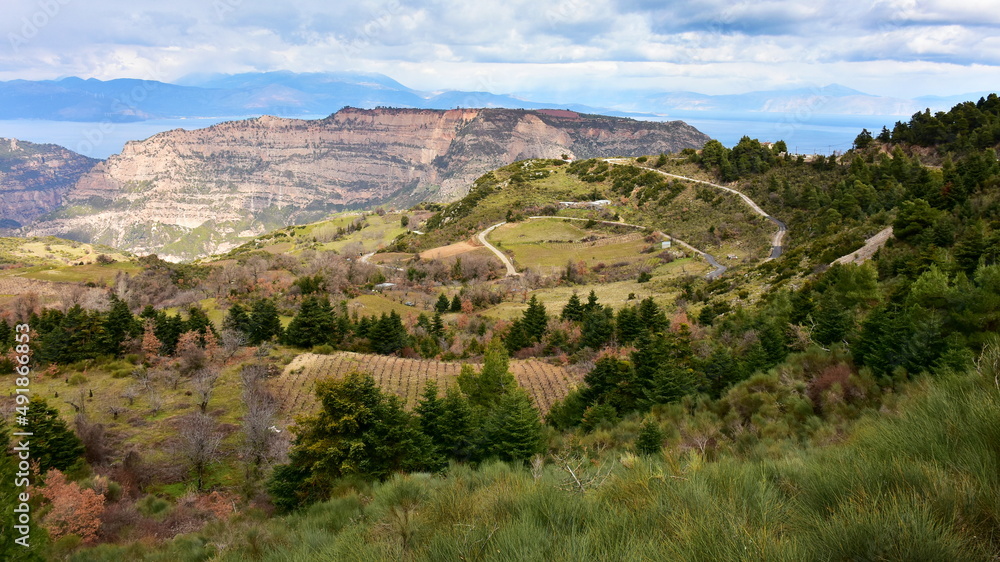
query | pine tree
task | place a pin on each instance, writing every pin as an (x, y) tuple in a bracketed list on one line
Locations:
[(517, 337), (78, 336), (264, 322), (456, 304), (651, 317), (573, 310), (535, 319), (457, 426), (53, 445), (168, 331), (650, 439), (359, 430), (598, 327), (722, 370), (628, 325), (437, 325), (237, 319), (313, 325), (119, 325), (443, 304), (612, 381), (9, 550), (881, 341), (423, 322), (6, 336), (513, 432), (364, 326), (591, 302), (832, 320), (492, 382), (430, 409), (809, 200), (672, 383), (198, 321), (430, 412), (388, 335)]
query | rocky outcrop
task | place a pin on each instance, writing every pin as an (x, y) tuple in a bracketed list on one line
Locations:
[(34, 178), (240, 177)]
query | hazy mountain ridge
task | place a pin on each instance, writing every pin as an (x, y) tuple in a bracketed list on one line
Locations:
[(291, 94), (283, 94), (190, 193)]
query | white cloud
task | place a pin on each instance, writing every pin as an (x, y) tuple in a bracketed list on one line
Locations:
[(570, 46)]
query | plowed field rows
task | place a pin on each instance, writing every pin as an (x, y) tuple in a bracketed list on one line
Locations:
[(406, 378)]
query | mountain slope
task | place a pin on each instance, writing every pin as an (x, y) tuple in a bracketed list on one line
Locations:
[(191, 193), (34, 178)]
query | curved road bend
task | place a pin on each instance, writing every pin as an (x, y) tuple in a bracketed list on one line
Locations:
[(512, 271), (776, 240)]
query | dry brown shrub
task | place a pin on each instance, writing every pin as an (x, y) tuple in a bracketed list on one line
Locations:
[(73, 511), (833, 384)]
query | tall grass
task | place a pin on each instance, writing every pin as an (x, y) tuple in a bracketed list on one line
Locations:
[(919, 484)]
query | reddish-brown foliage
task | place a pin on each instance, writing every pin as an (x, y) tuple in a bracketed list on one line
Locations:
[(73, 511), (833, 379), (150, 343)]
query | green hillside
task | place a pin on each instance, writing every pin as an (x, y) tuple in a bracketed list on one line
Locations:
[(805, 407)]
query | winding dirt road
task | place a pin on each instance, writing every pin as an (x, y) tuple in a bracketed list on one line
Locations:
[(512, 271), (778, 237)]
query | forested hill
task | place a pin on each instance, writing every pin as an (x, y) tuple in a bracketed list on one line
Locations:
[(967, 126), (794, 408)]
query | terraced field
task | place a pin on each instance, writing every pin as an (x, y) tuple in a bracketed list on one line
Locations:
[(406, 378)]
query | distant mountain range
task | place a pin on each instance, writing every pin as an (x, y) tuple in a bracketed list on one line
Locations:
[(289, 94), (283, 94), (833, 99)]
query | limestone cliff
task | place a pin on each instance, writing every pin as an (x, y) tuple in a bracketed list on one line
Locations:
[(34, 178), (189, 193)]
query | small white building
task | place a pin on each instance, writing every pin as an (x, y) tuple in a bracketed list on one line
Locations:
[(585, 204)]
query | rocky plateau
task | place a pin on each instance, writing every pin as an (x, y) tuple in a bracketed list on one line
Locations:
[(185, 194)]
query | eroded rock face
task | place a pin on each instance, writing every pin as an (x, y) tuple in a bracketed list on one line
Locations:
[(244, 176), (34, 178)]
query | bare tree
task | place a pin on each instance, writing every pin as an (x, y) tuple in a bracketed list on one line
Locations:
[(232, 341), (25, 305), (198, 445), (70, 296), (80, 403), (260, 436), (264, 349), (170, 378), (155, 398), (204, 383), (94, 440), (256, 266), (131, 392)]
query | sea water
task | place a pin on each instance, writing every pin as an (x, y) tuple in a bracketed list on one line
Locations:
[(803, 133)]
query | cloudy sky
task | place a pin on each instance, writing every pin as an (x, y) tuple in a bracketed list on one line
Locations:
[(552, 50)]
